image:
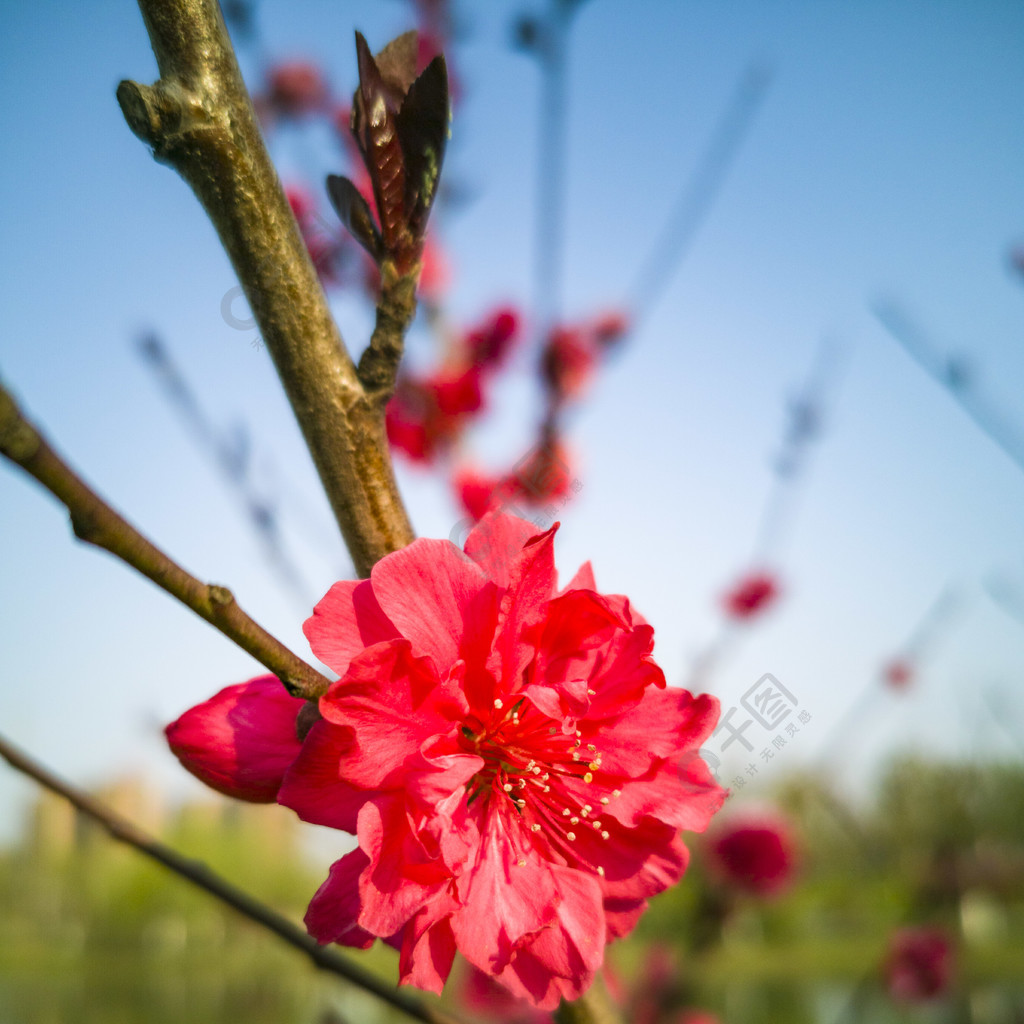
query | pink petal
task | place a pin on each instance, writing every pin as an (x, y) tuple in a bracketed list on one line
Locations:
[(347, 619), (531, 583), (504, 902), (583, 580), (428, 947), (393, 703), (402, 875), (436, 597), (665, 724), (495, 544), (315, 787), (242, 740), (334, 910)]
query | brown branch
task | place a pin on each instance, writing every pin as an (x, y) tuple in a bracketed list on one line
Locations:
[(95, 522), (194, 871), (199, 119)]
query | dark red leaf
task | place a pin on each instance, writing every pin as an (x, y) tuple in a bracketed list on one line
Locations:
[(423, 134), (355, 214), (374, 111), (397, 62)]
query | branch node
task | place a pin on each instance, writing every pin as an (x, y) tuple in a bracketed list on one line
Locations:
[(220, 597), (153, 112), (18, 440)]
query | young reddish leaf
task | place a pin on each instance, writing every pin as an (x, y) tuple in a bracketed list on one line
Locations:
[(355, 214), (397, 62), (423, 134), (374, 110)]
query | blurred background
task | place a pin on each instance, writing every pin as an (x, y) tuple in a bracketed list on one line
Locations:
[(736, 293)]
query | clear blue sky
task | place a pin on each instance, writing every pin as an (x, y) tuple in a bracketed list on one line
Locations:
[(887, 158)]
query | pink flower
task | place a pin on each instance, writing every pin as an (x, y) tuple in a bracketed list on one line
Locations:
[(508, 756), (920, 964), (754, 852), (751, 596)]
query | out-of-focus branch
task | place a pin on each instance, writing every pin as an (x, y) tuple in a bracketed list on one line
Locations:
[(201, 876), (593, 1007), (95, 522), (199, 119)]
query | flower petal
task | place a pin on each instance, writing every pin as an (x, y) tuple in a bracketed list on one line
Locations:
[(392, 702), (495, 544), (242, 740), (347, 619), (428, 946), (402, 875), (436, 596), (334, 910), (316, 786), (507, 897)]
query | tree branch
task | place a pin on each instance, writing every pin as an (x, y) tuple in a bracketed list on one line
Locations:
[(95, 522), (323, 957), (199, 119), (593, 1007), (378, 367)]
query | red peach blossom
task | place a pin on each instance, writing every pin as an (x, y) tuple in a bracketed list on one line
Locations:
[(751, 596), (610, 327), (491, 342), (508, 756), (754, 852), (898, 674), (478, 493), (568, 362), (296, 88), (920, 964)]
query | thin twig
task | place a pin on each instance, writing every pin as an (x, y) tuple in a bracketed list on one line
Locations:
[(378, 367), (698, 194), (199, 119), (204, 878), (95, 522)]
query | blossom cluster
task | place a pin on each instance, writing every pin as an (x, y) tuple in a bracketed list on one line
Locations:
[(505, 751)]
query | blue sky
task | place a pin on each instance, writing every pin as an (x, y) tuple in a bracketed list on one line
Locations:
[(887, 158)]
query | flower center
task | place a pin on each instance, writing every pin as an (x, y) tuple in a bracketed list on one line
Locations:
[(531, 767)]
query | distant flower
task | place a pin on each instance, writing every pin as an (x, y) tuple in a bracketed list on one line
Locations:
[(478, 493), (541, 476), (754, 852), (295, 89), (326, 252), (898, 674), (507, 755), (568, 362), (610, 327), (695, 1017), (490, 342), (920, 964), (571, 354), (751, 596), (428, 414)]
